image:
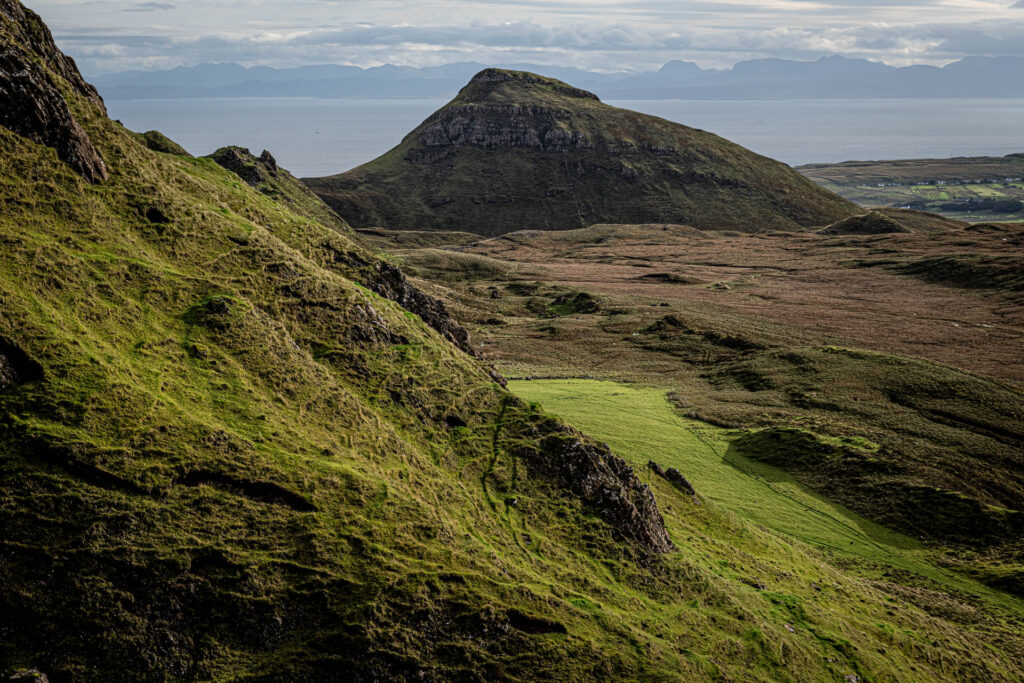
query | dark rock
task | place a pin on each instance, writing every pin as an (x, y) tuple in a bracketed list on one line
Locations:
[(241, 161), (31, 103), (16, 367), (391, 283), (497, 377), (33, 36), (32, 106), (268, 160), (493, 126), (672, 476), (250, 168), (604, 481), (676, 478)]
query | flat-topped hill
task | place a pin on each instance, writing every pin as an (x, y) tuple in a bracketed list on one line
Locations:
[(517, 151)]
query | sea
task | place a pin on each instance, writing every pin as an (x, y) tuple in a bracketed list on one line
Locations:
[(316, 137)]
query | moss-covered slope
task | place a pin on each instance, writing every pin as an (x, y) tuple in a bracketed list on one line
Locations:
[(517, 151)]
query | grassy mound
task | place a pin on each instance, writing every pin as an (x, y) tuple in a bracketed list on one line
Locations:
[(976, 271), (441, 264), (873, 223), (921, 221), (948, 440), (158, 142)]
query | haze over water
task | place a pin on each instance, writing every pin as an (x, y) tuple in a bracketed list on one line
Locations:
[(314, 137)]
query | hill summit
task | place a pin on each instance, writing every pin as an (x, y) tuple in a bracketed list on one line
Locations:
[(515, 151)]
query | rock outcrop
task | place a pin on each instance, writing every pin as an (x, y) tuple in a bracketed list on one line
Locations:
[(674, 477), (603, 481), (517, 151), (254, 170), (262, 173), (32, 35), (390, 282), (15, 366), (31, 104)]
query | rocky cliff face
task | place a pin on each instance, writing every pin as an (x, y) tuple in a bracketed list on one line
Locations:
[(495, 124), (391, 283), (602, 480), (33, 37), (519, 151), (31, 104)]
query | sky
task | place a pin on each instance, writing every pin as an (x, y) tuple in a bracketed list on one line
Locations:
[(606, 35)]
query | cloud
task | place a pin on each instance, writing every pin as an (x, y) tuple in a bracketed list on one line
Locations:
[(149, 7), (601, 34)]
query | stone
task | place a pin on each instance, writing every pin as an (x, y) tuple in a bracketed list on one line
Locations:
[(391, 283), (32, 106), (31, 103), (604, 481), (672, 476)]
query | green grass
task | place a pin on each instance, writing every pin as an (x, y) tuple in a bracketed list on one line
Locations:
[(640, 424), (985, 190)]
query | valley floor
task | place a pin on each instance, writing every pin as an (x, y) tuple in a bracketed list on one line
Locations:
[(640, 424), (861, 394)]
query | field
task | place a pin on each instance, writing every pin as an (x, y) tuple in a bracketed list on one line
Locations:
[(895, 355), (760, 493), (973, 189)]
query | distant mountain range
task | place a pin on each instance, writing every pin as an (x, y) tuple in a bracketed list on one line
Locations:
[(828, 77)]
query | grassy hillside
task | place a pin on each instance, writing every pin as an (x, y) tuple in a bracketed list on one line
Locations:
[(517, 151), (725, 467), (224, 457)]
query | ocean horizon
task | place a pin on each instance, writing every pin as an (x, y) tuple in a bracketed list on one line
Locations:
[(316, 137)]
